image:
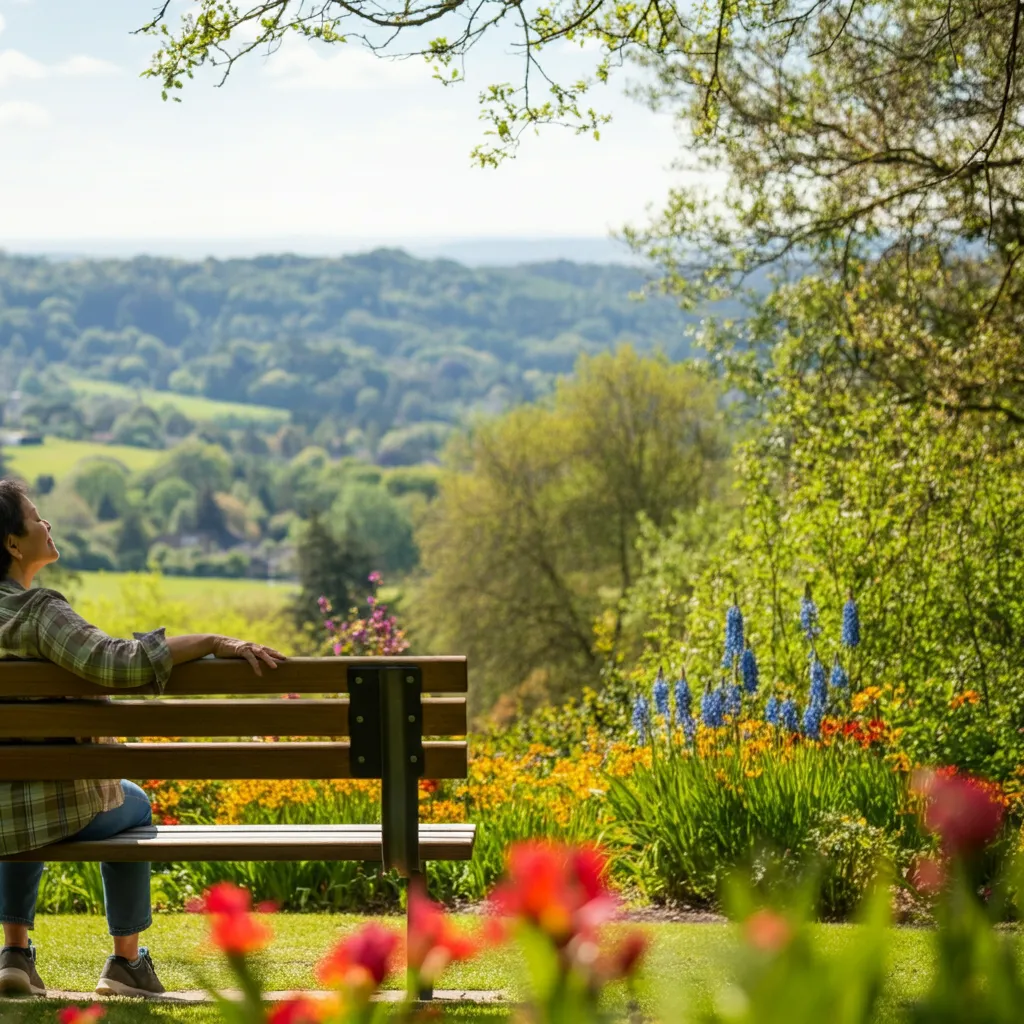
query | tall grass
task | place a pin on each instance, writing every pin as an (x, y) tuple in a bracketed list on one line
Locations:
[(682, 823)]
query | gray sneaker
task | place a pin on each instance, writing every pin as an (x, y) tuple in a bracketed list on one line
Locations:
[(18, 974), (121, 977)]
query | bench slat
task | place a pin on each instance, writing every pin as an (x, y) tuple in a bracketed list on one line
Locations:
[(213, 676), (266, 843), (442, 760), (442, 716)]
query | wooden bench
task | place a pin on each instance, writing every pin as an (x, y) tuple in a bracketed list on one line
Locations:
[(393, 706)]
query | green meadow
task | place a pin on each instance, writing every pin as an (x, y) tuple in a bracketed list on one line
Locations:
[(202, 410), (57, 457)]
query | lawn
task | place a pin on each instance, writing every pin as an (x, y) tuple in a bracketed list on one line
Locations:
[(687, 963), (57, 457), (234, 414)]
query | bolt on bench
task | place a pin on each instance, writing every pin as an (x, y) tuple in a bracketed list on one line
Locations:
[(386, 717)]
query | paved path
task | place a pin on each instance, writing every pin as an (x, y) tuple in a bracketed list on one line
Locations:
[(199, 996)]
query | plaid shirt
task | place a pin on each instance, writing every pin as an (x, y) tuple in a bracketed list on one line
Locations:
[(40, 624)]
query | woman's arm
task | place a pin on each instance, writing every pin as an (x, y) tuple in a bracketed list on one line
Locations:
[(199, 645), (66, 639)]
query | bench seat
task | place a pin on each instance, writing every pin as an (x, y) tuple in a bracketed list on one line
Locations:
[(256, 842)]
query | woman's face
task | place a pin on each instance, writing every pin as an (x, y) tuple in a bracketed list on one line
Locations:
[(34, 548)]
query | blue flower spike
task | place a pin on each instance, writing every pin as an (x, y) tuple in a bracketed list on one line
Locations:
[(850, 636), (812, 720), (732, 699), (733, 635), (809, 615), (773, 711), (684, 699), (689, 729), (661, 695), (749, 670), (712, 712), (789, 716), (642, 718), (819, 691), (838, 680)]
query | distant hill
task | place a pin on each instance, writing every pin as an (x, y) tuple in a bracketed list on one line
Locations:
[(384, 348), (474, 252)]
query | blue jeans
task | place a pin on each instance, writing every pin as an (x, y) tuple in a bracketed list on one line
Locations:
[(125, 886)]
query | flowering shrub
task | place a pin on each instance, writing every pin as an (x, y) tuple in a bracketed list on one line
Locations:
[(375, 634)]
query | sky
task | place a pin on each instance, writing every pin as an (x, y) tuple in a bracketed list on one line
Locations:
[(311, 145)]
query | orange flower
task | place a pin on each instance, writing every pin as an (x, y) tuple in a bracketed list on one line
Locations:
[(80, 1015), (361, 961), (433, 942), (967, 697)]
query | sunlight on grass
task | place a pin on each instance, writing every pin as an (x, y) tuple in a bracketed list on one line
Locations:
[(687, 963)]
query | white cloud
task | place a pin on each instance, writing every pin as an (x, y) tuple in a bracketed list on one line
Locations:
[(18, 112), (14, 64), (349, 67), (2, 23), (82, 66)]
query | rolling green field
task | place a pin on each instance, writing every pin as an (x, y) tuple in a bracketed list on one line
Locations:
[(57, 457), (205, 410), (185, 588)]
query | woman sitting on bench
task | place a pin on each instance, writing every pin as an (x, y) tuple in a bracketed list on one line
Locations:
[(40, 624)]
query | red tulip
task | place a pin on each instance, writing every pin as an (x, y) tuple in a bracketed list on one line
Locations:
[(767, 931), (433, 941), (560, 890), (362, 960), (80, 1015), (965, 812), (300, 1010), (233, 929), (928, 875), (624, 959)]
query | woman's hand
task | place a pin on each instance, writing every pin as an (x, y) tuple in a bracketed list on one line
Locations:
[(226, 647)]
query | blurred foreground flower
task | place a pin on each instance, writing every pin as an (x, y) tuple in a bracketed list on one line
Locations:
[(361, 962), (233, 929), (965, 812), (557, 889), (767, 931), (434, 942), (81, 1015)]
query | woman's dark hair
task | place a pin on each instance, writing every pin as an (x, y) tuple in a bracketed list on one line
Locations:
[(12, 518)]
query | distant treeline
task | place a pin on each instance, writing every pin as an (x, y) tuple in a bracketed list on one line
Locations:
[(382, 352)]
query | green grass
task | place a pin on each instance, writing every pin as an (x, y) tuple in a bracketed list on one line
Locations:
[(687, 963), (57, 457), (183, 588), (236, 414)]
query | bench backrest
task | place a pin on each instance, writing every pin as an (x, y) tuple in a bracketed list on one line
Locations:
[(389, 710)]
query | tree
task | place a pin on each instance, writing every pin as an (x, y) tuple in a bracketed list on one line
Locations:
[(871, 141), (533, 535), (377, 524), (329, 566)]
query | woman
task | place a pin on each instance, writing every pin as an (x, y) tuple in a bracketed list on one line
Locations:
[(40, 623)]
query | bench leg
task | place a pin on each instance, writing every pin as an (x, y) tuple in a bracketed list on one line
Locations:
[(423, 992)]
